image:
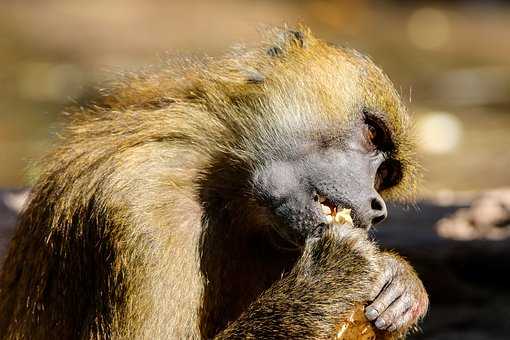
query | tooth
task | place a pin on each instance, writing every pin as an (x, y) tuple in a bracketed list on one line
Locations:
[(325, 209), (329, 218)]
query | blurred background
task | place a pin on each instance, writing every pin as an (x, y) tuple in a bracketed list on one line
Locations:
[(450, 61)]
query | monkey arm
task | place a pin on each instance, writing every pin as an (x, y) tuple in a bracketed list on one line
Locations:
[(399, 299), (334, 273)]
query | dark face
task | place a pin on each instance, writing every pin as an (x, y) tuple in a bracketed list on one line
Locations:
[(348, 173)]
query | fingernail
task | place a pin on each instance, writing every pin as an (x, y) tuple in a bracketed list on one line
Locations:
[(371, 313), (380, 323)]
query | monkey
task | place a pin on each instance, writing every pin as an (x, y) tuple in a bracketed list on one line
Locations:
[(186, 202)]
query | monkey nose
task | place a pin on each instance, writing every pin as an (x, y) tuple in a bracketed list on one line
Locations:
[(378, 210)]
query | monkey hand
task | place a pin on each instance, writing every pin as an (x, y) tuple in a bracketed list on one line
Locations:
[(336, 271), (337, 252), (399, 299)]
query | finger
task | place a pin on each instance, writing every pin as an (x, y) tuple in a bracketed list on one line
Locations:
[(394, 314), (409, 317), (404, 320), (383, 280), (387, 296)]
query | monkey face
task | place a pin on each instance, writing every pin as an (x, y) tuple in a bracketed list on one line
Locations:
[(301, 191), (319, 128), (336, 136)]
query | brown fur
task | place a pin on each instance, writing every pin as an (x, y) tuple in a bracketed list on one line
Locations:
[(136, 228)]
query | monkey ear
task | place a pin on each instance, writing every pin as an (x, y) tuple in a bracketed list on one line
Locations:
[(284, 39)]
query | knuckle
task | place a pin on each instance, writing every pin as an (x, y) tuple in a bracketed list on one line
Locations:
[(380, 306), (387, 274)]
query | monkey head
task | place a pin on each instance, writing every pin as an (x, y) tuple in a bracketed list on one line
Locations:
[(320, 128)]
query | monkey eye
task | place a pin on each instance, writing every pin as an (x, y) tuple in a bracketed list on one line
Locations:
[(388, 175)]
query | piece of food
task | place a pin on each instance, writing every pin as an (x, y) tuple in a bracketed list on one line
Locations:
[(357, 327), (335, 214), (344, 216)]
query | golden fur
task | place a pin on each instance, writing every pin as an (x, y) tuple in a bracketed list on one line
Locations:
[(110, 243)]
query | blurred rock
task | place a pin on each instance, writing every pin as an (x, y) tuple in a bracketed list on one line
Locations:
[(465, 278), (488, 217)]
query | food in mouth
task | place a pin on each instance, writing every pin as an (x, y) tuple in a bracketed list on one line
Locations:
[(335, 214)]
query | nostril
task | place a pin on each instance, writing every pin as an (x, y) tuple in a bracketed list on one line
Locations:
[(376, 204), (378, 219)]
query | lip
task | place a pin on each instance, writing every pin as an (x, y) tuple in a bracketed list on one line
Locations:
[(296, 232), (287, 238)]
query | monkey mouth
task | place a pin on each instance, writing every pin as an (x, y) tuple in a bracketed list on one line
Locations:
[(333, 213), (290, 231)]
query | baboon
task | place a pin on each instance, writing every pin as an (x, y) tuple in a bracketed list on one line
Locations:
[(192, 201)]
